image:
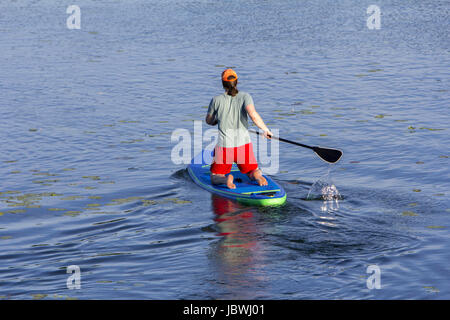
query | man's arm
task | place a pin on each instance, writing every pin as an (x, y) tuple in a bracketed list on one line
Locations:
[(211, 119), (256, 118)]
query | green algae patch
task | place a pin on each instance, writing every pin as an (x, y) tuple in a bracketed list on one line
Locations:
[(17, 211), (148, 202), (431, 289), (409, 214), (70, 198), (129, 121), (133, 140), (175, 200), (430, 129), (435, 227), (71, 213), (120, 201), (381, 116), (91, 177)]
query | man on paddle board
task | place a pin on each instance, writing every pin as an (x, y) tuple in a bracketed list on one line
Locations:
[(230, 111)]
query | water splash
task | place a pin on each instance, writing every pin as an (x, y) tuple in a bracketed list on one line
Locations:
[(325, 189)]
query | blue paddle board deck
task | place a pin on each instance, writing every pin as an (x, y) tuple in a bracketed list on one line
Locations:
[(246, 192)]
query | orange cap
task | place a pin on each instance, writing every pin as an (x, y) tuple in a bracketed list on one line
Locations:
[(229, 73)]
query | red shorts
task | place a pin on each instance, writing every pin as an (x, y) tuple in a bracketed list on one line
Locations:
[(224, 157)]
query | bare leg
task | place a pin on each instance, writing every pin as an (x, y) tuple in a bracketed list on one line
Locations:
[(222, 179), (257, 175)]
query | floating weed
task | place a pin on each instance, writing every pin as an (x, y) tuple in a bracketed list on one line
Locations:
[(322, 135), (439, 194), (278, 118), (32, 129), (435, 227), (17, 211), (39, 296), (362, 120), (70, 198), (148, 202), (175, 200), (444, 157), (431, 289), (56, 209), (374, 70), (109, 125), (287, 114), (315, 106), (409, 213), (90, 188), (45, 181), (93, 32), (132, 141), (360, 75), (277, 110), (94, 197), (398, 120), (219, 66), (413, 204), (129, 121), (15, 172), (5, 237), (9, 161), (68, 169), (1, 213), (91, 177), (416, 190), (72, 213), (381, 116), (430, 129), (93, 205), (305, 111), (420, 162), (89, 132), (106, 182), (45, 174), (120, 201), (9, 192)]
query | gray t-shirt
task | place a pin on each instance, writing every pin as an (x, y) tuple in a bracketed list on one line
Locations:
[(232, 118)]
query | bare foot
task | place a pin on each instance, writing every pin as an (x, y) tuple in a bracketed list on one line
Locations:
[(261, 181), (257, 175), (230, 183)]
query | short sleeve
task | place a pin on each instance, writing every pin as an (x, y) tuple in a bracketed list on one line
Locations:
[(248, 100), (212, 107)]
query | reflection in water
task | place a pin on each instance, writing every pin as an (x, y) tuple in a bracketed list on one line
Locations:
[(237, 256)]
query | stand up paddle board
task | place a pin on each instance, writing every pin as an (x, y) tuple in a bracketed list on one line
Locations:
[(247, 191)]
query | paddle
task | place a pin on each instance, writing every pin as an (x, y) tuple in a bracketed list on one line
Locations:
[(326, 154)]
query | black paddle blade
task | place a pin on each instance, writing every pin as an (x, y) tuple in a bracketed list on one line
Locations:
[(328, 155)]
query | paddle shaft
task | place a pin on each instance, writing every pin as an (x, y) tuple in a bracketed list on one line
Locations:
[(284, 140)]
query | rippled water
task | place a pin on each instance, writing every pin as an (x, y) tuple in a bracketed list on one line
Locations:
[(86, 177)]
